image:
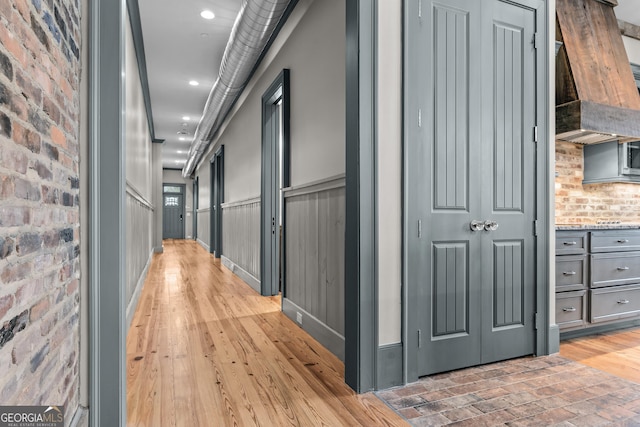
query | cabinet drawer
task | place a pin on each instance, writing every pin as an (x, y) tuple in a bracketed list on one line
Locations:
[(571, 309), (571, 272), (615, 269), (619, 240), (615, 303), (571, 242)]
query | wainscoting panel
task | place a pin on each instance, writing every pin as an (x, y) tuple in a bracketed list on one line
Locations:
[(204, 227), (241, 235), (314, 244), (139, 245)]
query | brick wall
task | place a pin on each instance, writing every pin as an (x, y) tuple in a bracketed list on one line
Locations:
[(583, 204), (39, 213)]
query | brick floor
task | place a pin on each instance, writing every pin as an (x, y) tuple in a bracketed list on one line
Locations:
[(541, 391)]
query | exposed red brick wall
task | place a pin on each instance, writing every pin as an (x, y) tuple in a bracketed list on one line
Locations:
[(39, 211), (585, 204)]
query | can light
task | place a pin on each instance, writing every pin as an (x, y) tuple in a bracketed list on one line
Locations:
[(207, 14), (193, 83)]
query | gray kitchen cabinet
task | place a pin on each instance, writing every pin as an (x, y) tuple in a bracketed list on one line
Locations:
[(615, 303), (597, 277), (611, 162), (571, 279), (571, 308)]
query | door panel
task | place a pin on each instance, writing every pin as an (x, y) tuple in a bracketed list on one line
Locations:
[(449, 279), (451, 289), (474, 160), (451, 108), (509, 118)]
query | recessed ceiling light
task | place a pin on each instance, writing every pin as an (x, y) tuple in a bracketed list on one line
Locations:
[(187, 118), (193, 83), (180, 151), (207, 14), (182, 138)]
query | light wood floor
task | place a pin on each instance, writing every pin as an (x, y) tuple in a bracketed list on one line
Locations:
[(617, 353), (205, 350)]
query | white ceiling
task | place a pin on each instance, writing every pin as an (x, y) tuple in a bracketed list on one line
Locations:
[(629, 11), (181, 46)]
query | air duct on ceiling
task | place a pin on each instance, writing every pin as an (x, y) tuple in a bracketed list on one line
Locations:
[(254, 26)]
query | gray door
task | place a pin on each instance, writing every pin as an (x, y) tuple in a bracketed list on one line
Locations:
[(270, 270), (275, 177), (217, 198), (196, 198), (172, 219), (471, 190)]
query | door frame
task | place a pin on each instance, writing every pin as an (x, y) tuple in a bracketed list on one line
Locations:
[(195, 208), (217, 199), (183, 192), (107, 222), (545, 336), (278, 91), (361, 208)]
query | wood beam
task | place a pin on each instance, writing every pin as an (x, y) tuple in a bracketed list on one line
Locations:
[(628, 29)]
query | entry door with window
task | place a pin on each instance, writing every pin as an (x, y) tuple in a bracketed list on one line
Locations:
[(173, 211), (471, 190)]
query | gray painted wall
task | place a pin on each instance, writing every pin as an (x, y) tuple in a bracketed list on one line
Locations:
[(138, 138), (312, 46), (139, 172)]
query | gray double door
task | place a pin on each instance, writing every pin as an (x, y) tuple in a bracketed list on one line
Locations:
[(471, 182)]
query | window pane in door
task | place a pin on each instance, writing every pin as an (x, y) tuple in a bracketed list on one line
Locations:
[(170, 201), (172, 189)]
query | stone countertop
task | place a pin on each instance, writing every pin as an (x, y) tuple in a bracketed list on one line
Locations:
[(569, 227)]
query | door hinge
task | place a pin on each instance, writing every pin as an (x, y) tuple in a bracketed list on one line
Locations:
[(536, 318), (535, 227), (535, 134), (536, 39), (419, 338), (419, 117), (419, 229)]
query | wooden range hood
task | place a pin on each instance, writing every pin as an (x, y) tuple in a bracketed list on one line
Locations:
[(596, 95)]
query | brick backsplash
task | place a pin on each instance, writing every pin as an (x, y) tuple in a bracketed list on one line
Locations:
[(39, 212), (578, 203)]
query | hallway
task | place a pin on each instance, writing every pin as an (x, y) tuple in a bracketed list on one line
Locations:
[(204, 349)]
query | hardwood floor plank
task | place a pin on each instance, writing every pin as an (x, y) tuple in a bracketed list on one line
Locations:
[(617, 352), (205, 349)]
